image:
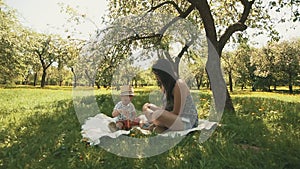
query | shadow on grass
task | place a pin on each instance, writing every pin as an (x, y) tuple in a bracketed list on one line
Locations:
[(295, 91), (53, 140), (43, 139), (264, 133), (266, 127)]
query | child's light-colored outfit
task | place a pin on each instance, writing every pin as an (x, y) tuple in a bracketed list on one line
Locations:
[(128, 108)]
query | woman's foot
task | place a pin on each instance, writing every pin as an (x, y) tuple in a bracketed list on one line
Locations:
[(145, 125), (159, 129), (112, 127)]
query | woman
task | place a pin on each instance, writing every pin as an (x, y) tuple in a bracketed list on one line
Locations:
[(179, 111)]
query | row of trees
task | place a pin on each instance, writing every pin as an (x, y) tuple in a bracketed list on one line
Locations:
[(276, 64), (26, 52), (28, 56), (273, 65)]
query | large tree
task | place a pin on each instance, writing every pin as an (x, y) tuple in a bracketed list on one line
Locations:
[(288, 62), (12, 39), (228, 67), (49, 49), (204, 17), (220, 20), (43, 48), (244, 70)]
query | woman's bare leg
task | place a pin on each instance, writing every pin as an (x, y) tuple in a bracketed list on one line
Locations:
[(167, 119)]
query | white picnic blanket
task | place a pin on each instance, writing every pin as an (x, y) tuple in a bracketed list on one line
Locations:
[(96, 127)]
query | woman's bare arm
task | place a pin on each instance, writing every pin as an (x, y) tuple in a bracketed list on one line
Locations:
[(180, 92), (153, 107)]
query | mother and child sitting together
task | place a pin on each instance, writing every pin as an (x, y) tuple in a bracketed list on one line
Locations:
[(177, 113)]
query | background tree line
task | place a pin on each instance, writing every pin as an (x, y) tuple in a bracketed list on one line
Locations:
[(276, 64)]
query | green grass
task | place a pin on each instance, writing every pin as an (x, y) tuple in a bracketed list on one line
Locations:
[(39, 129)]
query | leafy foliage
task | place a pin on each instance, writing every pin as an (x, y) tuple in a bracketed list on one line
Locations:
[(13, 37), (278, 63)]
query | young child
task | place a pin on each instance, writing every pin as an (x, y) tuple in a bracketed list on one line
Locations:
[(124, 112)]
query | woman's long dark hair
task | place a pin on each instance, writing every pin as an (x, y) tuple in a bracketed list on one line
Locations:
[(167, 77)]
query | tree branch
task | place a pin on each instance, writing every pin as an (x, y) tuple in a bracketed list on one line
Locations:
[(180, 54), (247, 9), (208, 20), (50, 63), (138, 37), (91, 80), (239, 26), (182, 15), (165, 3), (185, 48), (160, 34), (229, 31)]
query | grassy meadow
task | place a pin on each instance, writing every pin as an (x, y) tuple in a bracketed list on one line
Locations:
[(39, 129)]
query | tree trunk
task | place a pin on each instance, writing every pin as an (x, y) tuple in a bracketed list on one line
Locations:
[(222, 99), (208, 85), (198, 83), (74, 77), (275, 85), (60, 82), (291, 88), (201, 81), (230, 81), (228, 104), (98, 85), (24, 82), (134, 82), (215, 46), (290, 84), (34, 79), (43, 82)]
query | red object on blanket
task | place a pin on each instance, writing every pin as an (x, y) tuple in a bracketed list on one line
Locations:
[(128, 124)]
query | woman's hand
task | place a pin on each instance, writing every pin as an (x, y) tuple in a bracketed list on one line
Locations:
[(150, 106), (148, 112), (145, 107), (153, 107)]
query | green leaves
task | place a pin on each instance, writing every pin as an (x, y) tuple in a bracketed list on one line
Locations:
[(10, 37)]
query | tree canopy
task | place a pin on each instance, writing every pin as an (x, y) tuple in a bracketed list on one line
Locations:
[(193, 31), (219, 19)]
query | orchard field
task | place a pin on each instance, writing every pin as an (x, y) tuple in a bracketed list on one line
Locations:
[(39, 129)]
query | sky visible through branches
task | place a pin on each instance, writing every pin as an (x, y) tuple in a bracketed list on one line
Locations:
[(45, 16)]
